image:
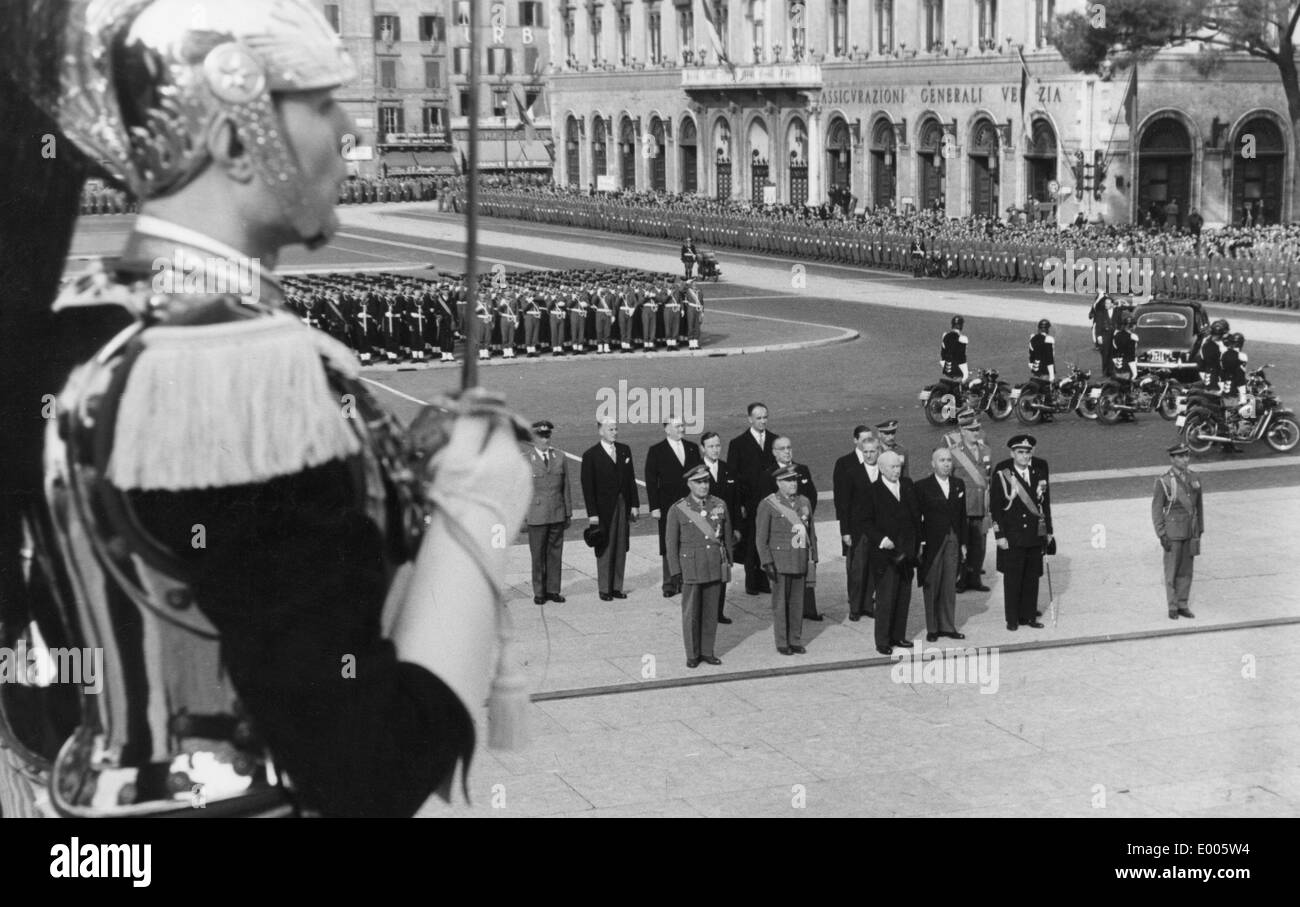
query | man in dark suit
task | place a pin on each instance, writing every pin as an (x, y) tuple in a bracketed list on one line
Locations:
[(893, 527), (610, 496), (548, 514), (750, 457), (722, 484), (1021, 507), (944, 533), (665, 464), (853, 477), (783, 451)]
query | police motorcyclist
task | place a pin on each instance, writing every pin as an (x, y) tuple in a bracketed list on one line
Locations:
[(1103, 317), (1124, 357), (952, 351), (1042, 361), (1237, 403), (1210, 353)]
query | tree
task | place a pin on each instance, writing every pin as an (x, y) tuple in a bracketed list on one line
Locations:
[(1125, 32)]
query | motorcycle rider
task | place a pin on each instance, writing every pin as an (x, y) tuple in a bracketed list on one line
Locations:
[(1238, 405), (1209, 354), (1102, 315), (952, 351), (1124, 358), (1042, 361)]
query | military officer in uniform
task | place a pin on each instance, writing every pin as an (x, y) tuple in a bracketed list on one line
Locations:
[(559, 319), (973, 462), (693, 300), (1042, 361), (549, 513), (698, 536), (649, 310), (627, 303), (1021, 507), (673, 315), (722, 484), (688, 256), (887, 432), (1178, 514), (665, 465), (783, 452), (786, 542)]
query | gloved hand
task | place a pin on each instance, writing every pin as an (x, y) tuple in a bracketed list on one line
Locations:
[(1166, 544), (770, 570), (676, 579)]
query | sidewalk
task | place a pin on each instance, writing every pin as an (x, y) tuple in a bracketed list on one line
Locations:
[(1107, 581)]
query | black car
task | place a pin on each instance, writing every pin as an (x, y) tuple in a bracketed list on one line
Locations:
[(1169, 332)]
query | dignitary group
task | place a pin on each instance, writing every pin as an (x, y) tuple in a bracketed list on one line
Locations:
[(752, 514), (391, 317)]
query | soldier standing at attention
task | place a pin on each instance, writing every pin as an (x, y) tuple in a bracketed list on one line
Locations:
[(1020, 502), (688, 256), (974, 465), (549, 513), (1178, 513), (786, 543), (698, 536)]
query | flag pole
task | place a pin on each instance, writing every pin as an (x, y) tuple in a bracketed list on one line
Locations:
[(469, 369)]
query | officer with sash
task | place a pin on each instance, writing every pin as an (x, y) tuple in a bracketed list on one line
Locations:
[(786, 542), (1178, 514), (1020, 504), (973, 462), (694, 301), (628, 301), (673, 315), (532, 321), (559, 320), (697, 537), (604, 318), (649, 310)]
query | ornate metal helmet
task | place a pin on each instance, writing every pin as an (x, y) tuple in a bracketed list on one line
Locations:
[(145, 81)]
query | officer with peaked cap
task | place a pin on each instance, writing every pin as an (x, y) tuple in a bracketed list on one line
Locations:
[(888, 433), (786, 543), (974, 464), (1178, 514), (697, 535), (1021, 506), (549, 513)]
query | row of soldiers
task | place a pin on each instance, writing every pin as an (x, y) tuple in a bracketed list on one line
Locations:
[(1240, 276), (387, 317), (360, 190)]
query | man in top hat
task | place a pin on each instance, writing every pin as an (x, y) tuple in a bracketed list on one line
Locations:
[(1021, 507), (610, 496), (786, 542), (973, 462), (1178, 513), (549, 513), (698, 536), (665, 464)]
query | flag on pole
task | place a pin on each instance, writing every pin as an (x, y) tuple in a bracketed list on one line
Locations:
[(1130, 102), (525, 112), (715, 37), (1024, 87)]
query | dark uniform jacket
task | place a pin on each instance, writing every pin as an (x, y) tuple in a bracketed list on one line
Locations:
[(1042, 353), (1177, 510), (697, 556), (952, 352), (1012, 520)]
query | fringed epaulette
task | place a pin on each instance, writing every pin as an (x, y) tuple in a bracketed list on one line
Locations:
[(232, 403), (98, 286)]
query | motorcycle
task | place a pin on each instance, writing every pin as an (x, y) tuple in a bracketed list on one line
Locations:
[(1152, 392), (1209, 421), (1037, 397), (982, 392)]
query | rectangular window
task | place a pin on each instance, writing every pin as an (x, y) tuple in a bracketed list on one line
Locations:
[(460, 61), (595, 35), (462, 12), (500, 100), (500, 61), (532, 55), (686, 29), (387, 73), (988, 23), (624, 35), (433, 119), (391, 120), (432, 74), (933, 25), (1045, 12), (654, 38), (884, 26), (388, 28), (530, 13), (433, 28), (530, 97), (464, 103), (332, 17), (840, 27)]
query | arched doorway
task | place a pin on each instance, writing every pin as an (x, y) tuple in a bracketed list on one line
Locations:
[(687, 156), (658, 157), (796, 140), (722, 155), (983, 157), (1257, 180), (572, 149), (760, 155), (599, 147), (1164, 172), (627, 152), (884, 164), (839, 156), (1040, 168), (930, 166)]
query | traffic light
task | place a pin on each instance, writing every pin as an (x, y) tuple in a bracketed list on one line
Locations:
[(1098, 174), (1078, 169)]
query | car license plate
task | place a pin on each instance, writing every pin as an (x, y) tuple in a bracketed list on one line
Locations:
[(1015, 393), (924, 396), (1095, 393), (1181, 421)]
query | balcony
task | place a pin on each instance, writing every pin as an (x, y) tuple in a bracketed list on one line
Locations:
[(788, 76)]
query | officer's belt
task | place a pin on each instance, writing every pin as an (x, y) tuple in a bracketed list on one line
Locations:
[(1177, 493), (796, 521)]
